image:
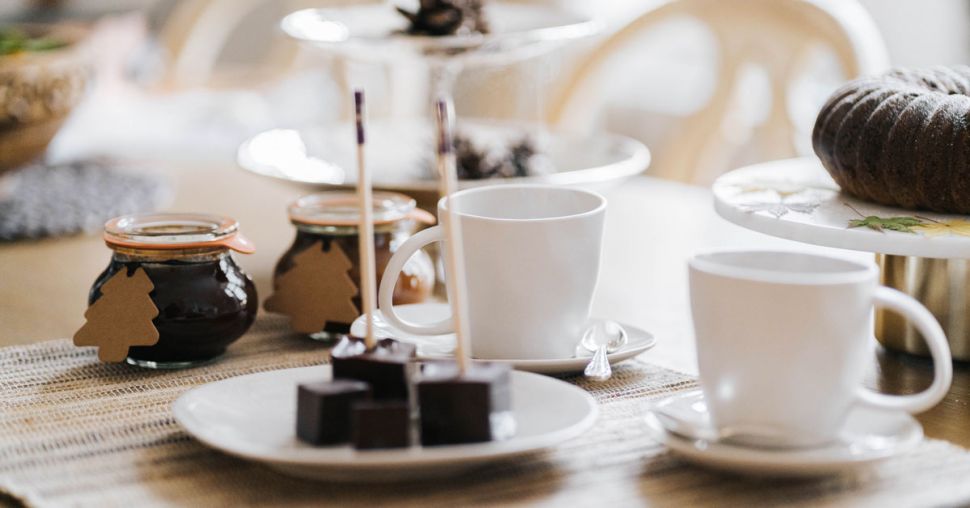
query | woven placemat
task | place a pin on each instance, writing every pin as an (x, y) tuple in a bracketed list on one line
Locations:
[(41, 200), (74, 432)]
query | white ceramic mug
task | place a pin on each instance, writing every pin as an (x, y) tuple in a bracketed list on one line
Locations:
[(532, 256), (784, 340)]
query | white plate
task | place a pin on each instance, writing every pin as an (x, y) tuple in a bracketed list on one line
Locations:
[(798, 200), (374, 33), (869, 435), (400, 154), (254, 417), (442, 346)]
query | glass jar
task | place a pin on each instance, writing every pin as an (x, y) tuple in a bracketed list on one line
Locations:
[(329, 219), (205, 301)]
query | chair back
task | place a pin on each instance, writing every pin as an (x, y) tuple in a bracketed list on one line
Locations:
[(777, 36)]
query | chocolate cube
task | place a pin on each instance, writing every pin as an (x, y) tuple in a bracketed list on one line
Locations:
[(382, 424), (323, 410), (386, 367), (469, 408)]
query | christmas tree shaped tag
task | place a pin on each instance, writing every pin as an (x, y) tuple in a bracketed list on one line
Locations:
[(317, 290), (121, 318)]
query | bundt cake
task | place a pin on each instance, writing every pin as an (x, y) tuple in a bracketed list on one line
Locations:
[(901, 139)]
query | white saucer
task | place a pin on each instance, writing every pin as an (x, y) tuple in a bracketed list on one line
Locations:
[(254, 416), (442, 346), (869, 435)]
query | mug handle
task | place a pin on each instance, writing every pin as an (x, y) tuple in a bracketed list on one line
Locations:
[(385, 296), (931, 331)]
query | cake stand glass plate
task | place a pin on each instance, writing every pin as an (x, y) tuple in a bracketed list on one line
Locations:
[(400, 154), (375, 32), (797, 199), (254, 417), (442, 346)]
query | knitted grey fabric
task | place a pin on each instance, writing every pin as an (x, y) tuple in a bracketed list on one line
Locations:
[(41, 200)]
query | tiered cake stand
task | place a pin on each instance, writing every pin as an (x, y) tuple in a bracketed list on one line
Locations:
[(374, 33), (920, 253)]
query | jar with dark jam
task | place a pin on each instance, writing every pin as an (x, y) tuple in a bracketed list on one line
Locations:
[(204, 299), (328, 222)]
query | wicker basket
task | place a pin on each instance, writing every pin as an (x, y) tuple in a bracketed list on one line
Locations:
[(38, 91)]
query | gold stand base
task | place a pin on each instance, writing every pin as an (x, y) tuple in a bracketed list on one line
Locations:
[(942, 286)]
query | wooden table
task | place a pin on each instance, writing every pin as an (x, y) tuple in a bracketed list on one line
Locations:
[(652, 227)]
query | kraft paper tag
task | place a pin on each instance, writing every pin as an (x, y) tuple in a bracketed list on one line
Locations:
[(316, 290), (121, 318)]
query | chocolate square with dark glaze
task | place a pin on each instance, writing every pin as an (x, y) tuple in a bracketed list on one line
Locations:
[(458, 408), (323, 410), (386, 367), (381, 424)]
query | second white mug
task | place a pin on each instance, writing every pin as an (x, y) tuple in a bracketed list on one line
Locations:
[(784, 340), (532, 255)]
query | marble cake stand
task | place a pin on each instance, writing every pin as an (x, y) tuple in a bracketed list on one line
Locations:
[(796, 199), (922, 254)]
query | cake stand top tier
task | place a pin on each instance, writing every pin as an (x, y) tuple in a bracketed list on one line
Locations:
[(374, 32), (796, 199)]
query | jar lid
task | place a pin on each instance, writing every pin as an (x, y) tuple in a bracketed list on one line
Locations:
[(340, 208), (172, 231)]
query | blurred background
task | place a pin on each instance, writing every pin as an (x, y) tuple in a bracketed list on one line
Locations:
[(139, 105), (191, 79)]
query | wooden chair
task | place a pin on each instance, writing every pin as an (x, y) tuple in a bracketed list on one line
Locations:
[(776, 35), (197, 32)]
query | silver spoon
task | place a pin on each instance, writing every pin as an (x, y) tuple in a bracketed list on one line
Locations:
[(602, 337)]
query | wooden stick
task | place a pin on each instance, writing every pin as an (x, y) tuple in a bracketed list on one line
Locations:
[(455, 265), (366, 229)]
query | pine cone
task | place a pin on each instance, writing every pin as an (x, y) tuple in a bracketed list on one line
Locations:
[(506, 161), (446, 17)]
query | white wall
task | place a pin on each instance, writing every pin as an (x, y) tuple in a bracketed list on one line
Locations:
[(924, 32)]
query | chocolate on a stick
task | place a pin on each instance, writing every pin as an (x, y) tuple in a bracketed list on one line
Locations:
[(368, 279), (386, 367), (460, 402), (464, 407), (455, 267)]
